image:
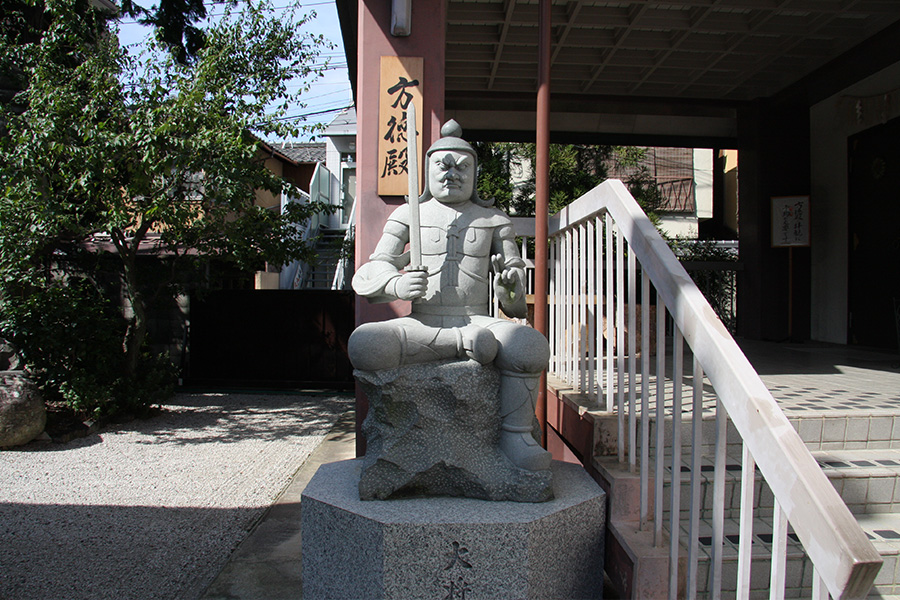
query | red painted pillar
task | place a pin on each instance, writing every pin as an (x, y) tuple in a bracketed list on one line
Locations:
[(542, 194), (374, 41)]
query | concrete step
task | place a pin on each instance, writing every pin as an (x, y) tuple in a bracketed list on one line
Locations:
[(321, 272), (838, 431), (798, 574), (883, 529), (825, 419), (867, 480), (855, 440)]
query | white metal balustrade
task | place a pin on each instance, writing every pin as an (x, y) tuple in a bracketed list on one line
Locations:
[(609, 265), (342, 271)]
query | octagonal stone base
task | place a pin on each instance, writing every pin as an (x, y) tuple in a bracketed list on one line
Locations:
[(453, 548)]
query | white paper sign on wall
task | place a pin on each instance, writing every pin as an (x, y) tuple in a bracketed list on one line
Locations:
[(790, 221)]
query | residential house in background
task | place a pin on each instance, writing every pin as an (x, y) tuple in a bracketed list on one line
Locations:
[(297, 163), (296, 324), (684, 177), (332, 181)]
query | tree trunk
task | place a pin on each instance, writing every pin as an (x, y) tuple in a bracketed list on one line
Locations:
[(136, 332)]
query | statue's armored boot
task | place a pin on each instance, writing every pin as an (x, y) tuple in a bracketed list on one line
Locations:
[(518, 395), (476, 343)]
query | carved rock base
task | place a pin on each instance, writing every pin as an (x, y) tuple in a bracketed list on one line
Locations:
[(452, 548), (432, 430)]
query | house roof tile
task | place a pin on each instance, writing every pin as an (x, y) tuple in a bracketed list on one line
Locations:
[(302, 152)]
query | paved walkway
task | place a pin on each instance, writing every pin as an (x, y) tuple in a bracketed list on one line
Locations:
[(266, 566), (827, 378)]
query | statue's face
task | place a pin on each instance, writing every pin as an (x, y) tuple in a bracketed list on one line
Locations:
[(451, 176)]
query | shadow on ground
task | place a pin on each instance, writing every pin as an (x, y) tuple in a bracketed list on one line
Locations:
[(816, 358), (98, 552), (214, 418)]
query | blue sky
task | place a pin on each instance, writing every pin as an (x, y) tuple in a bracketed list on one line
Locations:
[(327, 95)]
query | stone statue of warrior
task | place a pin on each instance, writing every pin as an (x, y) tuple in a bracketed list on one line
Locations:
[(467, 247)]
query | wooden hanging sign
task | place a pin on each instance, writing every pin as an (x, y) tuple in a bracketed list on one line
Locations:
[(400, 83)]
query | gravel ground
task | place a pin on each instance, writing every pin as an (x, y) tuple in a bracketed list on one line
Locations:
[(153, 508)]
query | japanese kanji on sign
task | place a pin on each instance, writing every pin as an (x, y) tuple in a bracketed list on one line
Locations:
[(790, 221), (401, 83)]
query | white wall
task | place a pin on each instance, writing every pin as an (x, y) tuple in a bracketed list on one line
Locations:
[(703, 182), (334, 146), (679, 226), (832, 121), (333, 164)]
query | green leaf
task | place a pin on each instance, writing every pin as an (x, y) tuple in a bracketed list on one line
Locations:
[(96, 145)]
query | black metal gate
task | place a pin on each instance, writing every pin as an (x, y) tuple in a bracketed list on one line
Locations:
[(270, 338)]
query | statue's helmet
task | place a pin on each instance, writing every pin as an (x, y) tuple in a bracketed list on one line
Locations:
[(451, 140)]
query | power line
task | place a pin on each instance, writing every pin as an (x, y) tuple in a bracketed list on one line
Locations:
[(329, 66), (307, 98), (312, 114), (273, 9)]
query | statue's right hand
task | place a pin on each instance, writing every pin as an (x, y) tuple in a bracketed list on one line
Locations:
[(412, 285)]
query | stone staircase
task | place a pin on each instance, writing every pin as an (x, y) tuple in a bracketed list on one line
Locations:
[(320, 273), (859, 452)]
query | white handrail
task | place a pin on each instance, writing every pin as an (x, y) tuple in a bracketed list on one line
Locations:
[(339, 272), (293, 274), (843, 557)]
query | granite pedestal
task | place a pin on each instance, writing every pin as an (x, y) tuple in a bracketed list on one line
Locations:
[(451, 548), (433, 430)]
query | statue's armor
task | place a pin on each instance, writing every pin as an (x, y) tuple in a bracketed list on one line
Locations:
[(459, 240), (457, 244)]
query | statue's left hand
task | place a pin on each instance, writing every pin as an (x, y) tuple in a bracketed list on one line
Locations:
[(508, 284)]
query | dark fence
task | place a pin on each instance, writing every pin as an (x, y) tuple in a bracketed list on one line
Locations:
[(270, 338), (718, 282)]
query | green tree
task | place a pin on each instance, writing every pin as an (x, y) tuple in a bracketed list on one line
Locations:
[(574, 170), (23, 23), (175, 24), (495, 177), (134, 151)]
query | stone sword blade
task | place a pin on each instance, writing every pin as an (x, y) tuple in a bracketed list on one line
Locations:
[(412, 162)]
